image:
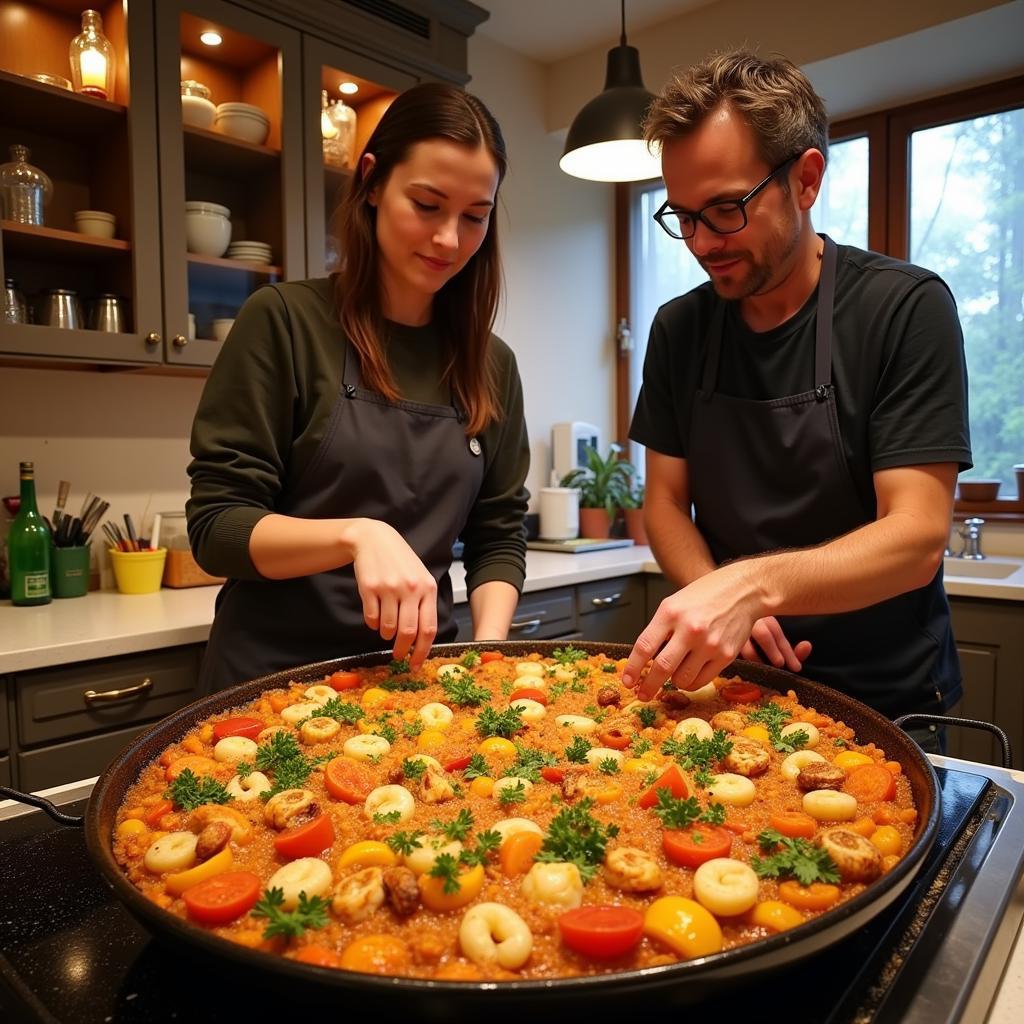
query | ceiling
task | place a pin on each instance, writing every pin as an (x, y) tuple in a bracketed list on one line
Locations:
[(549, 30)]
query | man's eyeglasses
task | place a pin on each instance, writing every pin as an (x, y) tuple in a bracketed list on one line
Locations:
[(725, 217)]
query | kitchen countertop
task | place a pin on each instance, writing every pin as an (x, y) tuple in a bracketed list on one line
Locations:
[(105, 623)]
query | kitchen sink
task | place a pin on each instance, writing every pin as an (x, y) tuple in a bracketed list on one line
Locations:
[(986, 569)]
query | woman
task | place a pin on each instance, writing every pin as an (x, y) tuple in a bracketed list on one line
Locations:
[(354, 427)]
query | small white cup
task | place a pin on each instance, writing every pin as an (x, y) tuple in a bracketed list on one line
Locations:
[(96, 223), (222, 327), (559, 513)]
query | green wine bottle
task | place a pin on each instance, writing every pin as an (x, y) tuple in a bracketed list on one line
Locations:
[(28, 547)]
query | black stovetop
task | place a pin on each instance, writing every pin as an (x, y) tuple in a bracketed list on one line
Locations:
[(70, 952)]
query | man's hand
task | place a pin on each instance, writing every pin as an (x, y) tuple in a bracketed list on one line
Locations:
[(767, 639), (700, 629)]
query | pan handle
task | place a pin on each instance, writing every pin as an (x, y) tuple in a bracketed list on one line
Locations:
[(44, 805), (967, 723)]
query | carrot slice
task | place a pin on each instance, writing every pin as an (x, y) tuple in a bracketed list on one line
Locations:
[(794, 825), (870, 783), (518, 852)]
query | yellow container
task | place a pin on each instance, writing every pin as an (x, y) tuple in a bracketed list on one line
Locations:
[(138, 572)]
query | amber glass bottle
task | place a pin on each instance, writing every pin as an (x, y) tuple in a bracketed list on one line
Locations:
[(28, 547)]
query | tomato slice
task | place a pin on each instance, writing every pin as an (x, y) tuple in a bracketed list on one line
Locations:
[(250, 728), (347, 780), (696, 844), (870, 783), (459, 763), (552, 773), (740, 693), (530, 694), (343, 680), (794, 824), (615, 738), (309, 839), (223, 897), (601, 932), (672, 780), (487, 656)]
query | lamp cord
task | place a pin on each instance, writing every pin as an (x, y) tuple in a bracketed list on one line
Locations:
[(622, 37)]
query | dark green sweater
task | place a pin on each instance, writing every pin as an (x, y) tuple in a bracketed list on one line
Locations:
[(265, 408)]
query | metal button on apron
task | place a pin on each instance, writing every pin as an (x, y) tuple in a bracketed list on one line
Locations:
[(474, 446)]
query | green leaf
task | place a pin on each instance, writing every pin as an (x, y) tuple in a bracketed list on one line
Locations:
[(568, 655), (608, 765), (189, 792), (577, 837), (470, 658), (512, 794), (311, 912), (404, 842), (463, 692), (676, 812), (447, 867), (504, 723), (795, 858), (458, 828), (477, 768), (577, 751), (414, 769)]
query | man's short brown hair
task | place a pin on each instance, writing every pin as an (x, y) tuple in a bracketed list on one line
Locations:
[(774, 97)]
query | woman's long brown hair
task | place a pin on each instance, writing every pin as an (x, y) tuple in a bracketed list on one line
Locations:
[(465, 308)]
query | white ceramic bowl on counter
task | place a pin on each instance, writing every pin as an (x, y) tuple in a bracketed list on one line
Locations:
[(96, 223), (207, 228), (242, 121)]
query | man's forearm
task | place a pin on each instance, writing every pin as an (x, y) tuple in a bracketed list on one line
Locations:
[(680, 550), (492, 605)]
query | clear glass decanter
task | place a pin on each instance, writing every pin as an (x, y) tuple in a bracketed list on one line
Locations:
[(92, 59), (339, 148)]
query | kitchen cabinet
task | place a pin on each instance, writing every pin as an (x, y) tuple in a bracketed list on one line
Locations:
[(612, 610), (69, 722), (132, 155), (990, 641), (543, 615)]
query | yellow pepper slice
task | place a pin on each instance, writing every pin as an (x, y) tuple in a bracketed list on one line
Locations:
[(435, 898), (848, 759), (374, 696), (430, 739), (776, 916), (684, 926), (367, 854), (497, 745), (178, 882)]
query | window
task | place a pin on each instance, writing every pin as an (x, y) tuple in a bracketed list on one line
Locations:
[(937, 183)]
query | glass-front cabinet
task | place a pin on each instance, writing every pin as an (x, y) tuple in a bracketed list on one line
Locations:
[(230, 119), (344, 97), (160, 160), (79, 222)]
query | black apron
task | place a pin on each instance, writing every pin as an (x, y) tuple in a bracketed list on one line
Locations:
[(769, 475), (405, 463)]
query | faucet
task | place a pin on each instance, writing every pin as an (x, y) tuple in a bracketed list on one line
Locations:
[(970, 533)]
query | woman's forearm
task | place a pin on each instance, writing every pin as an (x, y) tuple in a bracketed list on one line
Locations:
[(492, 605), (285, 547)]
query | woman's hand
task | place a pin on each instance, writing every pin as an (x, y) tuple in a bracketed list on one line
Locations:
[(399, 594)]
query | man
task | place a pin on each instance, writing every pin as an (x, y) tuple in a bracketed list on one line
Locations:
[(809, 401)]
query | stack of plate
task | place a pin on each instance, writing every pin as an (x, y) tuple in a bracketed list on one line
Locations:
[(251, 252), (242, 121)]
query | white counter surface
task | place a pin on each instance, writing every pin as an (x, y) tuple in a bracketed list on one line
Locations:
[(105, 623)]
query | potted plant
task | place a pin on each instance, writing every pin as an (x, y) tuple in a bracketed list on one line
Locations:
[(604, 486), (633, 510)]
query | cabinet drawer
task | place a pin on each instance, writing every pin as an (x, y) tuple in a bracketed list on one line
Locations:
[(61, 703), (546, 614), (5, 731), (608, 594), (71, 761), (5, 771)]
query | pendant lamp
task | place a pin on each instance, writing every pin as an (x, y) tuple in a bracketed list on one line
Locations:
[(605, 141)]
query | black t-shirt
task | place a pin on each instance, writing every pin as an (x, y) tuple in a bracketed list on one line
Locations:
[(897, 366)]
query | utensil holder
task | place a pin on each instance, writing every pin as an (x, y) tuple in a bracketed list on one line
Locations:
[(69, 571), (138, 572)]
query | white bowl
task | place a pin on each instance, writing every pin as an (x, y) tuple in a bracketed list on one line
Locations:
[(197, 111), (243, 108), (96, 223), (242, 126), (207, 234), (222, 327), (202, 206)]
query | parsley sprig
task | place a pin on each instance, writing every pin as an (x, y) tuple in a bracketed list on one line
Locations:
[(773, 717), (446, 867), (568, 654), (458, 828), (463, 692), (411, 685), (648, 716), (414, 768), (698, 755), (528, 763), (404, 842), (608, 765), (290, 924), (577, 751), (574, 835), (477, 768), (283, 758), (189, 792), (679, 812), (470, 658), (512, 794), (340, 711), (795, 858), (487, 843), (500, 723)]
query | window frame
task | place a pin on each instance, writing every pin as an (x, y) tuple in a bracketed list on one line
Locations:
[(889, 134)]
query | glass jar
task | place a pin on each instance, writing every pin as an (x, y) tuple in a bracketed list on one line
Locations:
[(15, 309), (339, 149), (92, 59), (24, 189)]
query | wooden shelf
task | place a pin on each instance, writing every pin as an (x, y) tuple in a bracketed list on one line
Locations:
[(261, 269), (27, 240), (47, 110), (221, 154)]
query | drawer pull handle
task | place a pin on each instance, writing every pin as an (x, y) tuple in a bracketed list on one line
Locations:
[(599, 602), (130, 691), (527, 626)]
